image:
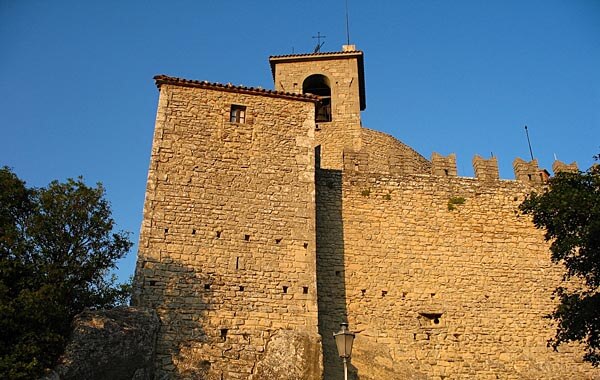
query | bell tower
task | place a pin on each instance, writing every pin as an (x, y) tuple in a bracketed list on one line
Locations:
[(337, 78)]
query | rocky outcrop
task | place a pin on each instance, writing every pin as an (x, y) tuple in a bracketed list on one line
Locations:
[(291, 355), (110, 344)]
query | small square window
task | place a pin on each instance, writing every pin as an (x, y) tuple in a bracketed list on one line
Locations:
[(237, 114)]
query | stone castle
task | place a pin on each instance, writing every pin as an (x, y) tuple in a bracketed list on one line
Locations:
[(271, 216)]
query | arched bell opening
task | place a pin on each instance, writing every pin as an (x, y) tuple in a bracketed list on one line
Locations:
[(318, 85)]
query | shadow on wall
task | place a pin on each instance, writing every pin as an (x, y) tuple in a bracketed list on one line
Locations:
[(330, 268), (177, 292)]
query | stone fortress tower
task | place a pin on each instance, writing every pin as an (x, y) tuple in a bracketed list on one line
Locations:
[(272, 215)]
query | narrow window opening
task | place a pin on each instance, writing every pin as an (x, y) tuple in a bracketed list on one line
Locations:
[(363, 292), (224, 334), (338, 273), (305, 290), (166, 230), (247, 237), (241, 288), (384, 293), (218, 233), (414, 336), (237, 114), (305, 245), (237, 263), (152, 282), (446, 172), (193, 232), (317, 152), (529, 176), (206, 286), (285, 288), (278, 240)]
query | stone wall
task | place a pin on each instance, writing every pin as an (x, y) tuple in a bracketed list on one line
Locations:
[(442, 278), (227, 246), (388, 155), (344, 130)]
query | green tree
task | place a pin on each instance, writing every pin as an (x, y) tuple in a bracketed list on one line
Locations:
[(57, 247), (569, 212)]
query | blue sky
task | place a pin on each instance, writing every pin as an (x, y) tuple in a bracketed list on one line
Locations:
[(442, 76)]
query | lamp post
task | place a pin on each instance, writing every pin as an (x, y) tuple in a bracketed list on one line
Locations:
[(343, 340)]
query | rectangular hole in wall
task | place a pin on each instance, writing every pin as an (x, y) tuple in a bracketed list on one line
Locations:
[(278, 240), (305, 245), (338, 273), (241, 288), (166, 230), (384, 293), (305, 290), (224, 334), (206, 286), (285, 289), (218, 234), (363, 292), (193, 232), (237, 263), (247, 237), (152, 282)]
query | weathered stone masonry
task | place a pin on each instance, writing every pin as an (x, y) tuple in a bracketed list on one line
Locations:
[(227, 248), (264, 228)]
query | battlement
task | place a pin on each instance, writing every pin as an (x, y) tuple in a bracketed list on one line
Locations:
[(443, 166), (485, 169), (558, 167)]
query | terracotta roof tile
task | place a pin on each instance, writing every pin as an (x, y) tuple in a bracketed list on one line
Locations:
[(352, 52), (165, 79)]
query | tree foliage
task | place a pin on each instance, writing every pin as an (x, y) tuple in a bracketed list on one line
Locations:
[(569, 211), (57, 246)]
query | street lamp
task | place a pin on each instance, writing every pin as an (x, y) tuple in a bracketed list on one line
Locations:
[(343, 340)]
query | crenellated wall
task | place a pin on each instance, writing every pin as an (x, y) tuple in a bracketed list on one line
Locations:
[(442, 277)]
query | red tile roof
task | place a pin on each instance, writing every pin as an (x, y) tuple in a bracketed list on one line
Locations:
[(329, 53), (165, 79)]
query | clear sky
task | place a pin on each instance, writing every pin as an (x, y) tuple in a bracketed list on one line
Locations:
[(460, 77)]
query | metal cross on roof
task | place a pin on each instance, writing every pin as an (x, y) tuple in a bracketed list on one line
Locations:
[(319, 43)]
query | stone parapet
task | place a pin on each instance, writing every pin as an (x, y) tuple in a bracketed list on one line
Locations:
[(486, 170), (443, 166), (559, 166), (528, 172)]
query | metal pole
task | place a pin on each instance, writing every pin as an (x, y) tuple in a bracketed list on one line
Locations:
[(345, 369), (529, 143)]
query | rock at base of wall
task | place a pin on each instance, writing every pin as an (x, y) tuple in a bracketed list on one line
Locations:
[(291, 355), (110, 344)]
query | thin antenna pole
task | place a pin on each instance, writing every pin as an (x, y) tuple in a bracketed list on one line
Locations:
[(529, 143), (347, 26)]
